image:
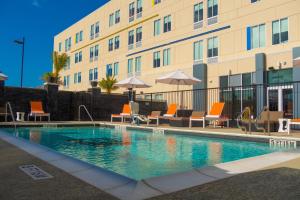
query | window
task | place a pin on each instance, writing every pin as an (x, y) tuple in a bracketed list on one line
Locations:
[(81, 36), (198, 12), (139, 34), (254, 1), (131, 12), (212, 47), (130, 37), (156, 59), (109, 70), (116, 69), (157, 27), (212, 8), (77, 38), (68, 63), (139, 6), (75, 78), (111, 19), (280, 31), (59, 47), (91, 53), (198, 51), (256, 37), (66, 81), (111, 45), (166, 57), (97, 29), (130, 66), (92, 31), (95, 73), (138, 64), (117, 42), (78, 57), (167, 24), (156, 2), (91, 77), (68, 43), (117, 16), (96, 51)]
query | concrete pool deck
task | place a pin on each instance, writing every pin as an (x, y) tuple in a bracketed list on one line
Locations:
[(125, 188)]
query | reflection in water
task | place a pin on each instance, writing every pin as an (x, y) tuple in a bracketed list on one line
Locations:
[(35, 136), (171, 145), (215, 152), (126, 140)]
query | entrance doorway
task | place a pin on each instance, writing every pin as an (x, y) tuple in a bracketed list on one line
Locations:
[(280, 98)]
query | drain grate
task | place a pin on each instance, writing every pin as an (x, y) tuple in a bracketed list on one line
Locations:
[(35, 172)]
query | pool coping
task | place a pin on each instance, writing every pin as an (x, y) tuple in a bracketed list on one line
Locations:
[(126, 188)]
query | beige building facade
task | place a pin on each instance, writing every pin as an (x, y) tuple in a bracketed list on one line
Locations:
[(221, 42)]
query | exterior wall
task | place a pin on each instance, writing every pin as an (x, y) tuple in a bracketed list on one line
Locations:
[(233, 55)]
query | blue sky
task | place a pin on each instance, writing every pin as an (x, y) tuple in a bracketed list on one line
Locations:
[(38, 21)]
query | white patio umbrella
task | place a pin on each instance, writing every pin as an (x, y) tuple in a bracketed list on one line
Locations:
[(177, 77), (3, 77), (132, 82)]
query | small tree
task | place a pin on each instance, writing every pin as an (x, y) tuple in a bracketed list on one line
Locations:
[(59, 61), (108, 84)]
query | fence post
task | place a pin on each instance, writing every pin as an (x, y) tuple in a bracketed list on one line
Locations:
[(52, 100), (151, 103)]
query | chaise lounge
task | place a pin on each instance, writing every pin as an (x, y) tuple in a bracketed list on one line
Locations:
[(37, 111)]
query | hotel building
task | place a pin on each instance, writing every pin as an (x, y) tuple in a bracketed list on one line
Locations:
[(222, 42)]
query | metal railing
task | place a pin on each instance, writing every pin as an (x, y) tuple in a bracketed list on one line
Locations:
[(87, 112), (8, 108), (277, 97)]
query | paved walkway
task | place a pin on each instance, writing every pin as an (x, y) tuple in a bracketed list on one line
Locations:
[(16, 185), (275, 183)]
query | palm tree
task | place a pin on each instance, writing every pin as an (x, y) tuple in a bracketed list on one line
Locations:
[(108, 84), (59, 62)]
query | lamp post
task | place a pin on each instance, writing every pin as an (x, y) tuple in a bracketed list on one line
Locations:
[(21, 42)]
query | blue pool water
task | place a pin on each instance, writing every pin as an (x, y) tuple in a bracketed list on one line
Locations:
[(140, 154)]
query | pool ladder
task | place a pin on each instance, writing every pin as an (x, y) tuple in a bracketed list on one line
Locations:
[(88, 113), (8, 108)]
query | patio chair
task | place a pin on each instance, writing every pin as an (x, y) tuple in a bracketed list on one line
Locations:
[(171, 112), (126, 113), (37, 110), (197, 116), (154, 116), (215, 114), (292, 122), (267, 118)]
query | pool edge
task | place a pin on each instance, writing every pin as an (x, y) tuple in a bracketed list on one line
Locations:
[(126, 188)]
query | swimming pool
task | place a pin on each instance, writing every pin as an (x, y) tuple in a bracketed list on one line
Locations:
[(141, 154)]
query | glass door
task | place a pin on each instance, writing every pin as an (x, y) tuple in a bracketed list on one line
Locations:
[(280, 98)]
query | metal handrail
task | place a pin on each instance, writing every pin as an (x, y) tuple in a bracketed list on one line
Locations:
[(88, 113), (8, 107)]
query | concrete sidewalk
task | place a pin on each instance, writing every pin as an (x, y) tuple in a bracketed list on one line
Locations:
[(16, 185)]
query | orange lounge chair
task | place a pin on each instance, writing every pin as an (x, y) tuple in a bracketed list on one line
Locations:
[(197, 116), (171, 112), (126, 113), (215, 114), (154, 116), (37, 111)]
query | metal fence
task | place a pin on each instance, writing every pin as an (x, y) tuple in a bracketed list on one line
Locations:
[(278, 97)]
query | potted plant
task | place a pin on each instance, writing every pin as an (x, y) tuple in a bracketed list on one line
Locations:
[(94, 84), (108, 84), (59, 62)]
